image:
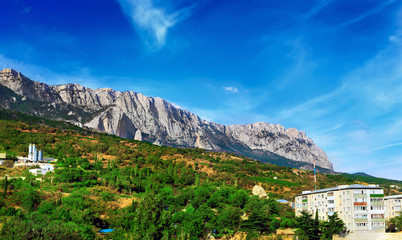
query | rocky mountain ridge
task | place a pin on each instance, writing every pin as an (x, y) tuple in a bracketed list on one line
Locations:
[(133, 115)]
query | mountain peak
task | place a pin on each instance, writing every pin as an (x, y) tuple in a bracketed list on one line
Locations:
[(133, 115), (10, 71)]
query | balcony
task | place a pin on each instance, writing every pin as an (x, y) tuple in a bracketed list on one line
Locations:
[(360, 211), (359, 195), (377, 203), (377, 219), (361, 204), (361, 220), (376, 195)]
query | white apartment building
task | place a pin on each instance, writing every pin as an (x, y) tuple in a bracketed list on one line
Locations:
[(393, 206), (360, 207)]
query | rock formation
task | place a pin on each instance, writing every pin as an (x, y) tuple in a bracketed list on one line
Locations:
[(259, 191), (132, 115)]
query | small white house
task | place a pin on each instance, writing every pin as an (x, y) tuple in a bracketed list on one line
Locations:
[(37, 171), (47, 167), (42, 170)]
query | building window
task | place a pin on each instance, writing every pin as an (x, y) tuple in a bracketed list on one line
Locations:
[(360, 224)]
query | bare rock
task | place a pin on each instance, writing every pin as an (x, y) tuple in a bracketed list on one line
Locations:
[(138, 135), (133, 115), (259, 191)]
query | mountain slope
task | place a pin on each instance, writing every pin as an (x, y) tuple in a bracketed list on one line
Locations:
[(133, 115)]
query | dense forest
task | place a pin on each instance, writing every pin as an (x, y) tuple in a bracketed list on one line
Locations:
[(140, 190)]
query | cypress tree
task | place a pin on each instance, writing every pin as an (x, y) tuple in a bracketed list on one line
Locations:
[(5, 187)]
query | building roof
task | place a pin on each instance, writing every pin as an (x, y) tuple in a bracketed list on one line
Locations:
[(3, 155), (393, 197), (341, 187), (106, 230)]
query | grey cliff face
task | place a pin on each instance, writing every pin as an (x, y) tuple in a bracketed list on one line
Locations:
[(133, 115)]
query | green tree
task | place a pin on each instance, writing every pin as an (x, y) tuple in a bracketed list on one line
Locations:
[(5, 187), (152, 221), (239, 198), (334, 225), (308, 228), (29, 198), (395, 224), (228, 220), (259, 215)]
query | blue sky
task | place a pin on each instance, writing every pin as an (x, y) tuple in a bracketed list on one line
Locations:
[(331, 68)]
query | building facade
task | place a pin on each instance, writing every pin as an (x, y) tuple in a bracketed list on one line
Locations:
[(360, 207), (393, 206)]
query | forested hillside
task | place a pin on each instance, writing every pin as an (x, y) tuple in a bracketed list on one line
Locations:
[(143, 191)]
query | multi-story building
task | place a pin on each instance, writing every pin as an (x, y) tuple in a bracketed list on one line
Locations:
[(393, 206), (360, 207)]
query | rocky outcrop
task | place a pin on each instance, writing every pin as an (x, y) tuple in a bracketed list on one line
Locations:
[(132, 115), (259, 191)]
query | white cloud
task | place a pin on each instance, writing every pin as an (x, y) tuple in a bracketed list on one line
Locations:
[(151, 23), (362, 115), (387, 146), (176, 105), (231, 89), (395, 38)]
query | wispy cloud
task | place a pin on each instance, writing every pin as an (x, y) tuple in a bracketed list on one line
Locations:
[(315, 10), (300, 63), (151, 22), (310, 106), (388, 146), (364, 109), (397, 36), (367, 14), (231, 89)]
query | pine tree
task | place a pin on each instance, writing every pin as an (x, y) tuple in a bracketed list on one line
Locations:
[(5, 187), (308, 227)]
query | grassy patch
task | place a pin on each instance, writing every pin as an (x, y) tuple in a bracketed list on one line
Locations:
[(274, 181)]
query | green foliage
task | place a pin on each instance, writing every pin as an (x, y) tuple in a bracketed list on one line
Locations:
[(151, 221), (371, 179), (334, 225), (29, 198), (192, 223), (274, 181), (395, 224), (309, 228), (228, 220), (239, 198), (141, 190), (260, 215)]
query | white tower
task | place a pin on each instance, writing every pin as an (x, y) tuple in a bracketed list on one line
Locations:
[(32, 153), (35, 156)]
